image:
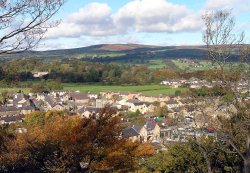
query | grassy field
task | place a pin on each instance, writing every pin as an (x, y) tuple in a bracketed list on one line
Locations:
[(25, 90), (156, 64), (93, 88), (152, 64), (206, 65), (146, 89)]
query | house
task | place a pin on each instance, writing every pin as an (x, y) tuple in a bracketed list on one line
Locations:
[(79, 97), (134, 105), (40, 96), (108, 94), (153, 130), (40, 74), (93, 96), (58, 93), (163, 98), (123, 102), (38, 104), (101, 103), (131, 134), (9, 110), (87, 112), (171, 103), (27, 109), (129, 95), (173, 83), (51, 104), (135, 133), (148, 98), (142, 131), (11, 119), (18, 100), (117, 106)]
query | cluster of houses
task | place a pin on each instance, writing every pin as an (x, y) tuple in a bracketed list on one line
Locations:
[(192, 83), (84, 104), (240, 86), (157, 130)]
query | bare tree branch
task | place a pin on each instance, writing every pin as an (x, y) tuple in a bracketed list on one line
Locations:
[(24, 22)]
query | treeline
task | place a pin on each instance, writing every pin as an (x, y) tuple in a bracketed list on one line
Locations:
[(76, 71)]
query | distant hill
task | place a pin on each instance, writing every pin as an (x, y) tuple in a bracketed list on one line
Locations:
[(116, 52)]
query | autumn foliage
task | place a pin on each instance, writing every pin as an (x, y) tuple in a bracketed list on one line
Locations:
[(56, 142)]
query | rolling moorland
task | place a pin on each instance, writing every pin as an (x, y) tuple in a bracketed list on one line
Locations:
[(116, 53)]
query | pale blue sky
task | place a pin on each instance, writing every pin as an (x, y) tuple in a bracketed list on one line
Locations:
[(154, 22)]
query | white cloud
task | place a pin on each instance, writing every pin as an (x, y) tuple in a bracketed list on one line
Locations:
[(159, 16), (93, 19), (97, 19), (218, 4), (239, 6), (93, 13)]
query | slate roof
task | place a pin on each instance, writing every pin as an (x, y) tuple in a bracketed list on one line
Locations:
[(37, 104), (137, 128), (129, 132), (150, 124), (133, 101), (171, 102), (139, 103), (8, 109), (81, 111), (50, 101), (9, 119), (142, 103), (27, 108)]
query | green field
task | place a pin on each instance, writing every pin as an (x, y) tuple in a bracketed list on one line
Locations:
[(25, 90), (145, 89), (156, 64), (206, 65), (93, 88), (152, 63)]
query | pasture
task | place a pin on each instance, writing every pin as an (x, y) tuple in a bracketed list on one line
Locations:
[(96, 88)]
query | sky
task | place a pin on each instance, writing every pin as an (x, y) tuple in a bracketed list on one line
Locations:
[(151, 22)]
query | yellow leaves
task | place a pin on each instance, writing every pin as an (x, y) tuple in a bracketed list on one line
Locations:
[(144, 150), (69, 140)]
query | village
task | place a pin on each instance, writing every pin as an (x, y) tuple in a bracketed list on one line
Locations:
[(164, 118), (195, 83)]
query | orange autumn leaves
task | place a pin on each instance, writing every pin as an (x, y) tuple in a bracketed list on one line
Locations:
[(55, 141)]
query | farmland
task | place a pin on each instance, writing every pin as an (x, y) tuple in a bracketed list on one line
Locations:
[(95, 88), (146, 89)]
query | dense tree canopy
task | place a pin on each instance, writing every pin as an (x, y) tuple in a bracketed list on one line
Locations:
[(55, 142), (76, 71)]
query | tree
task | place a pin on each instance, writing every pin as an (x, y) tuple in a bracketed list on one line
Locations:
[(221, 38), (38, 87), (223, 43), (186, 157), (161, 111), (24, 22), (56, 142)]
